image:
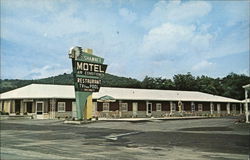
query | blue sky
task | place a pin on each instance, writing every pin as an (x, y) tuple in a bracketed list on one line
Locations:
[(136, 37)]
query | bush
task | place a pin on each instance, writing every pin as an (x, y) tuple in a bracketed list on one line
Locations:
[(4, 113)]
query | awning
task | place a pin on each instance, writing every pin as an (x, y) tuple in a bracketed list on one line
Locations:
[(106, 98)]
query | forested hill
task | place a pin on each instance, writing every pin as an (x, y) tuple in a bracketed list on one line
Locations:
[(67, 79), (229, 86)]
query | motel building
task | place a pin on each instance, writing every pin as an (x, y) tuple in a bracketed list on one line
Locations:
[(45, 101)]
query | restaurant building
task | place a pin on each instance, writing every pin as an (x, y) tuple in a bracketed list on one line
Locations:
[(45, 101)]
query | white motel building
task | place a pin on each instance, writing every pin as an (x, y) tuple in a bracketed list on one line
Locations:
[(45, 101)]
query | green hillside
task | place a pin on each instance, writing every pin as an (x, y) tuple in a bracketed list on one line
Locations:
[(108, 80)]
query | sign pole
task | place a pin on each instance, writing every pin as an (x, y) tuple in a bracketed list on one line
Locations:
[(81, 101)]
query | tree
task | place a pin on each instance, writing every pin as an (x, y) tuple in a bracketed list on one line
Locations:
[(185, 82), (207, 85), (148, 83), (232, 85)]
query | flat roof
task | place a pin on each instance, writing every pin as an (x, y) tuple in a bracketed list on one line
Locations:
[(47, 91)]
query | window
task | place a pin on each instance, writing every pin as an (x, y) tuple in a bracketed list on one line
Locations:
[(158, 106), (61, 106), (124, 107), (192, 107), (173, 107), (200, 107), (105, 107)]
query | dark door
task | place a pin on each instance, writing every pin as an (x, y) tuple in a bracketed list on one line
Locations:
[(17, 106), (39, 108), (149, 108), (29, 107)]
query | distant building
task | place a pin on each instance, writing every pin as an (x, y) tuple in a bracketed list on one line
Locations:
[(58, 101)]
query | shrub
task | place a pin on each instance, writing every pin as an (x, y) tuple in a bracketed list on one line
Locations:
[(4, 113)]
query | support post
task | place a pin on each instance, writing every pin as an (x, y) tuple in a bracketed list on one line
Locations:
[(240, 108), (228, 108), (25, 107), (120, 108), (211, 108), (171, 105), (246, 106)]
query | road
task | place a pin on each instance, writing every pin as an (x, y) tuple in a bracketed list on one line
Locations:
[(201, 139)]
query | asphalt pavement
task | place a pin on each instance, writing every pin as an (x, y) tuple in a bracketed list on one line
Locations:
[(196, 139)]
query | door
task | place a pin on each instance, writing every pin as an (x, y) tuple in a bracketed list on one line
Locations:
[(17, 106), (29, 107), (39, 110), (234, 108), (135, 109), (149, 109), (94, 109), (218, 108), (74, 110)]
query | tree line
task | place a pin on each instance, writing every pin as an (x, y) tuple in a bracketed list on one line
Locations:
[(229, 86)]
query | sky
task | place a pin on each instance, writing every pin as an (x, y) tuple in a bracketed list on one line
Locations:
[(135, 37)]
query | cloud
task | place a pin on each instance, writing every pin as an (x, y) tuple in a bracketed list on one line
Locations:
[(176, 12), (46, 71), (172, 29), (203, 65), (228, 44), (169, 39), (238, 12), (56, 25), (135, 38), (128, 15)]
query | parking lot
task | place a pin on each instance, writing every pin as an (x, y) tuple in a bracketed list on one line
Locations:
[(218, 139)]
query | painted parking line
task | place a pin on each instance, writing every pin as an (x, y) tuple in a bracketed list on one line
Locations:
[(114, 137)]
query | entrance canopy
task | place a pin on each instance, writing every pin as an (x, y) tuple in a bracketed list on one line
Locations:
[(106, 98), (247, 87)]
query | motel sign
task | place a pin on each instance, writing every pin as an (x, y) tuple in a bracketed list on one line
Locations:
[(87, 72)]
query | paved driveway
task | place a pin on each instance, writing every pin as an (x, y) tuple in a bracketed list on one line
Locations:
[(217, 139)]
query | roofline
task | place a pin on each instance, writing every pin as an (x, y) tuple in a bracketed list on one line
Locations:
[(129, 99), (36, 98), (110, 87), (230, 99)]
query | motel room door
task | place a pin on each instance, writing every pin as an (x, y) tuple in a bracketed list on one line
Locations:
[(94, 109), (74, 110), (149, 109), (135, 109), (39, 110)]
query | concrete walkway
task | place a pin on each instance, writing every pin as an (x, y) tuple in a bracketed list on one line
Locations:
[(152, 119)]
